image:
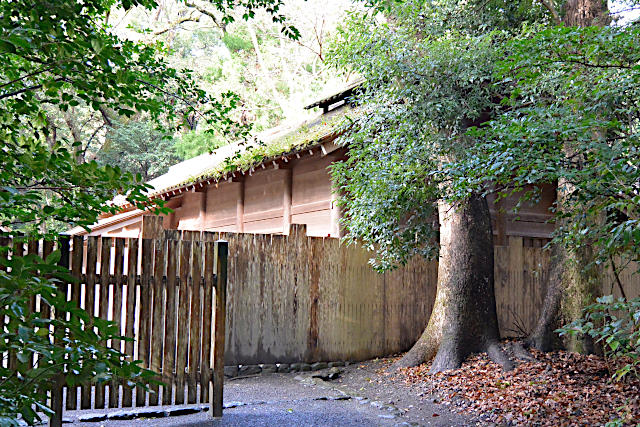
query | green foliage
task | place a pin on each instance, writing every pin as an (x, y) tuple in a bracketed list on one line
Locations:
[(236, 43), (571, 116), (139, 148), (427, 83), (616, 325), (247, 157), (41, 186), (47, 348), (481, 97), (194, 143)]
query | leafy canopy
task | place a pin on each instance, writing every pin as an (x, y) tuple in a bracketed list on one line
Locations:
[(482, 97), (429, 71)]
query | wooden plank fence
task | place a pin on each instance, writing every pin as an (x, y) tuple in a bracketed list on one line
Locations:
[(298, 298), (168, 294)]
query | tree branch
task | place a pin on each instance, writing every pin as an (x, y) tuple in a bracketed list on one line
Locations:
[(548, 4), (204, 11), (176, 23), (26, 76), (615, 274)]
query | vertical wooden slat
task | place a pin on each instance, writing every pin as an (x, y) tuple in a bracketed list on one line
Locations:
[(5, 244), (221, 251), (182, 325), (47, 248), (17, 252), (515, 288), (169, 357), (76, 272), (57, 395), (131, 301), (116, 314), (103, 305), (89, 303), (145, 313), (195, 321), (157, 329), (32, 249), (207, 316)]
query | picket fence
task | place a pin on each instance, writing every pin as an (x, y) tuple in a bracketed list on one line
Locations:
[(168, 294)]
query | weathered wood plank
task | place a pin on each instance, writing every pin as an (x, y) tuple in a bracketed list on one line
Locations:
[(33, 247), (207, 316), (169, 357), (103, 305), (90, 302), (145, 312), (116, 314), (76, 271), (157, 329), (17, 252), (57, 390), (130, 313), (195, 321), (184, 291), (216, 388)]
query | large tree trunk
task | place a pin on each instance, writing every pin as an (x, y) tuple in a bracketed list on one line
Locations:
[(463, 319), (584, 13), (570, 287)]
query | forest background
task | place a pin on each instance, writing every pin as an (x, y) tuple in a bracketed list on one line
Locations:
[(273, 75)]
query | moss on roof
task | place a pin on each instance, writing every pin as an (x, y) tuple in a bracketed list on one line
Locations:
[(304, 137)]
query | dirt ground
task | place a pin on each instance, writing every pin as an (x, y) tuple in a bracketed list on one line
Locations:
[(361, 395)]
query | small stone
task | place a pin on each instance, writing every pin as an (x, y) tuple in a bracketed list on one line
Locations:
[(305, 367), (319, 365), (387, 416), (92, 418), (377, 404), (269, 369), (151, 413), (249, 370), (284, 368), (341, 398), (231, 371), (183, 411), (235, 404), (122, 415), (364, 401), (295, 367), (335, 364)]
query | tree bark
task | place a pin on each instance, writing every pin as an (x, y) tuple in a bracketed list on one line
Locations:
[(585, 13), (570, 287), (463, 319)]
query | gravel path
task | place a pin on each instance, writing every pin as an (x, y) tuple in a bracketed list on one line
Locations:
[(360, 396)]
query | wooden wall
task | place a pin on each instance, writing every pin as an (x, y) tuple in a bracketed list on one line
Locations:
[(293, 298), (299, 298), (266, 201)]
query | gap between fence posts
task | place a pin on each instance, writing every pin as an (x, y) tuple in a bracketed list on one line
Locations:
[(221, 251)]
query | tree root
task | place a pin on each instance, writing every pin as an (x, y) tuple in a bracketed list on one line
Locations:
[(520, 352), (496, 354)]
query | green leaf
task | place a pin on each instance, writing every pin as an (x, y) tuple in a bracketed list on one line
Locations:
[(7, 47)]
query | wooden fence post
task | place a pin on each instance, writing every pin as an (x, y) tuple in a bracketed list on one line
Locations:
[(221, 250)]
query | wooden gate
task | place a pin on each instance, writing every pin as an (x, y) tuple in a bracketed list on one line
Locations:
[(169, 295)]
